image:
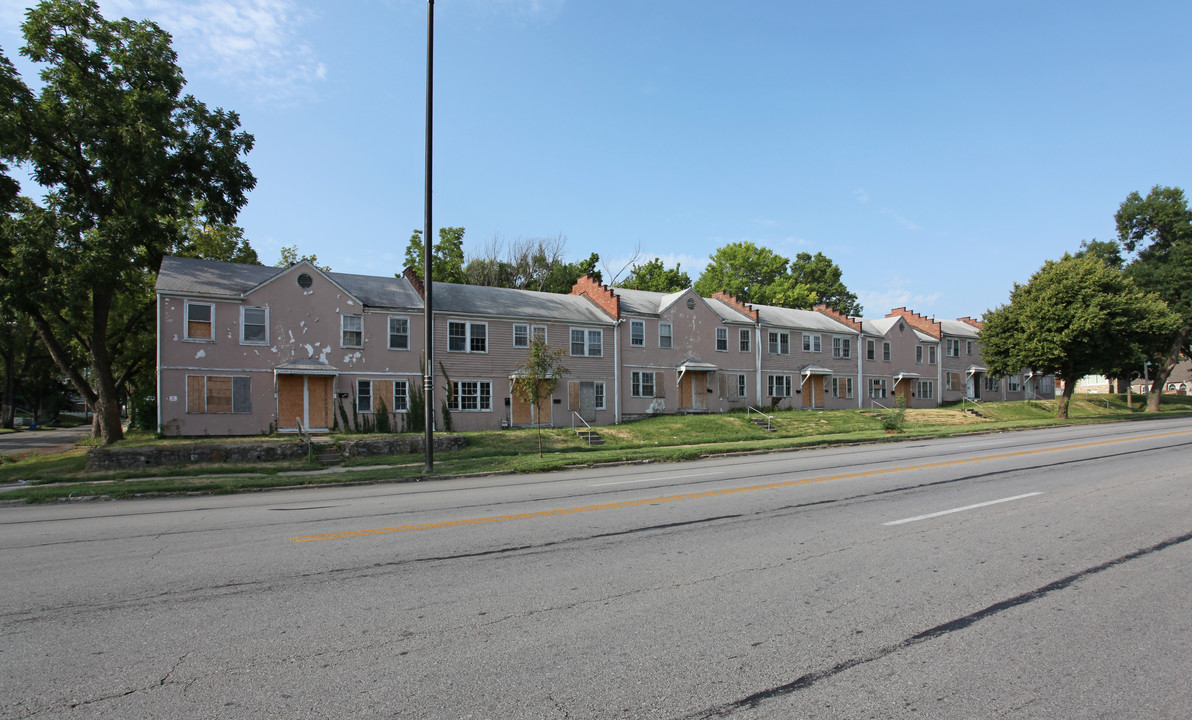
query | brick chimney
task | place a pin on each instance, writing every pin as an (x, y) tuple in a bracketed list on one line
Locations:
[(969, 321), (733, 302), (838, 317), (412, 275), (598, 293), (922, 323)]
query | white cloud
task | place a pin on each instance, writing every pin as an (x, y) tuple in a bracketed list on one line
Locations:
[(257, 45), (908, 224)]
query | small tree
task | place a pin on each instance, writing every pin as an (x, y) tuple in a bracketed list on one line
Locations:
[(538, 377)]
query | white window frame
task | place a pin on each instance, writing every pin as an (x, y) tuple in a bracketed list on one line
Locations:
[(361, 395), (781, 383), (744, 340), (871, 350), (877, 388), (210, 321), (639, 380), (1012, 384), (482, 395), (780, 342), (244, 324), (598, 391), (344, 330), (813, 342), (968, 347), (842, 346), (523, 333), (470, 336), (932, 352), (587, 342), (846, 382), (952, 348), (721, 339), (926, 389), (887, 351), (637, 333), (666, 339), (392, 335), (404, 404)]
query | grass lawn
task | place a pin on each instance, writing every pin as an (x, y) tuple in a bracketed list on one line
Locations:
[(660, 439)]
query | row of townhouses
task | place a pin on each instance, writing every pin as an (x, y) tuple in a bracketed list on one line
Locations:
[(247, 349)]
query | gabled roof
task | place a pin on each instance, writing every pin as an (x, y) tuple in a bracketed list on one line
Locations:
[(800, 320), (727, 312), (235, 280), (509, 303), (645, 302), (957, 328)]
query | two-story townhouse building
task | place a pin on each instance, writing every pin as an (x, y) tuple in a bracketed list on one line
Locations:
[(809, 358), (900, 362), (963, 369), (248, 349)]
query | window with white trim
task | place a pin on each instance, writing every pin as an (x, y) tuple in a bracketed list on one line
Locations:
[(587, 343), (885, 351), (931, 353), (401, 396), (666, 333), (780, 343), (877, 388), (968, 347), (351, 331), (842, 387), (871, 350), (742, 387), (364, 396), (722, 339), (637, 333), (254, 325), (812, 343), (918, 354), (743, 341), (469, 337), (399, 333), (926, 389), (842, 347), (218, 394), (599, 390), (1012, 384), (200, 321), (641, 384), (778, 386), (952, 347), (522, 334), (471, 396)]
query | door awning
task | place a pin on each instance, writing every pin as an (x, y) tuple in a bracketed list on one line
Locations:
[(974, 369), (305, 367), (815, 370), (694, 366), (906, 376)]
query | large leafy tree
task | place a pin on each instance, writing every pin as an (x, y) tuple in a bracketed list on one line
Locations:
[(656, 277), (824, 278), (447, 255), (760, 275), (1158, 229), (123, 155), (530, 264), (1074, 317)]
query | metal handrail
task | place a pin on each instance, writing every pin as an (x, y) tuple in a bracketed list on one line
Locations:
[(310, 443), (873, 404), (575, 415), (751, 409), (971, 401)]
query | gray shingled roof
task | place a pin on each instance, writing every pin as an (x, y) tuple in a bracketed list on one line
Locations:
[(380, 292), (645, 302), (959, 329), (800, 319), (727, 312), (505, 302)]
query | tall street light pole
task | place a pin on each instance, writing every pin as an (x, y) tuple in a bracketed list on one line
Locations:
[(428, 378)]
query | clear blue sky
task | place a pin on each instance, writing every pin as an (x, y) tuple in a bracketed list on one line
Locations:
[(937, 151)]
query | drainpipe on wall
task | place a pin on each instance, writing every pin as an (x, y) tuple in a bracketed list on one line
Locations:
[(617, 372), (860, 371), (758, 379)]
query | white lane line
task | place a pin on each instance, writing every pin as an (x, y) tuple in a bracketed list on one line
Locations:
[(960, 509), (651, 479)]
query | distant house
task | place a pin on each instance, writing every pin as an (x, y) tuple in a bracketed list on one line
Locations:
[(245, 349)]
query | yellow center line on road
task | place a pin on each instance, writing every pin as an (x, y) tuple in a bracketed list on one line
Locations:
[(712, 493)]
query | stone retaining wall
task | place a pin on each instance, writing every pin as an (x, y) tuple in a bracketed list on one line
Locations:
[(398, 445)]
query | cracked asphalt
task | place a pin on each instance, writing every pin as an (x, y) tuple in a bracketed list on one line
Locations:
[(753, 587)]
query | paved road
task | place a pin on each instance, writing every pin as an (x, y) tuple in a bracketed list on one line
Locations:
[(1021, 575)]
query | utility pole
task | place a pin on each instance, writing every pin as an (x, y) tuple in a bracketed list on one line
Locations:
[(428, 378)]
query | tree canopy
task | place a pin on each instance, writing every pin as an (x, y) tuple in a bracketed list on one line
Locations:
[(759, 275), (123, 157), (447, 255), (656, 277), (1074, 317)]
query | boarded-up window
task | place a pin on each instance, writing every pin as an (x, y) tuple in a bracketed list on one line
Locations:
[(573, 396), (218, 394), (659, 385), (199, 321)]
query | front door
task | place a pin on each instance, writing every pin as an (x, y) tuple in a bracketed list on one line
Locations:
[(304, 399), (523, 413), (904, 391), (693, 390), (813, 392)]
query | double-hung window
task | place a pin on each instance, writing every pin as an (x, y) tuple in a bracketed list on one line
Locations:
[(1012, 383), (641, 384), (842, 387), (743, 339), (778, 386), (637, 333), (780, 343), (351, 330), (952, 348), (666, 333), (885, 351), (918, 354), (523, 333), (877, 388), (364, 396), (931, 352), (599, 392), (842, 347), (470, 337), (742, 388), (254, 325), (871, 350), (722, 339), (926, 389), (200, 321), (399, 333), (968, 347), (589, 343), (401, 396), (812, 343)]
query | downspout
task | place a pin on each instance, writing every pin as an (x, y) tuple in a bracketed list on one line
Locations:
[(860, 371), (617, 371), (758, 379)]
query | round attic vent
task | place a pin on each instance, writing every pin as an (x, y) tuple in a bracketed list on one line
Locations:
[(690, 303), (305, 281)]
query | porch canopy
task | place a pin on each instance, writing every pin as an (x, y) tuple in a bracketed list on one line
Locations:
[(694, 366), (309, 366), (811, 371), (906, 376), (974, 369)]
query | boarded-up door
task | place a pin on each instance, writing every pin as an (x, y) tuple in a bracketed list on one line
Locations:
[(904, 391), (522, 413), (813, 392), (685, 385), (306, 399), (581, 398), (291, 401), (318, 401)]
